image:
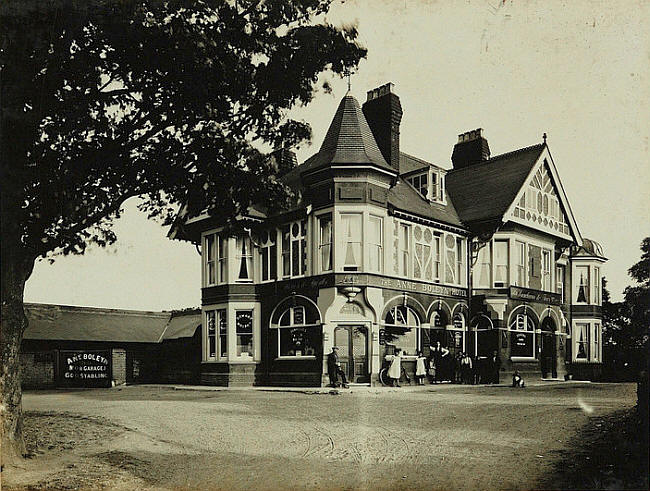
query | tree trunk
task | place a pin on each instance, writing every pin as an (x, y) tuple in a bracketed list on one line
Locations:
[(16, 269)]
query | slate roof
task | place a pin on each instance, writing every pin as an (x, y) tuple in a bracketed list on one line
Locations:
[(483, 192), (68, 323), (406, 198), (409, 163)]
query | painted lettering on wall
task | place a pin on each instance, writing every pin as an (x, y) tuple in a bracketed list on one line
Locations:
[(85, 368)]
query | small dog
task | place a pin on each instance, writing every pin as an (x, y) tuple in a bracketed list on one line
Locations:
[(517, 380)]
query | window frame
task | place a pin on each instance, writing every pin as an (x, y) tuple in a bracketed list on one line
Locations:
[(214, 244), (506, 276), (270, 249), (220, 337), (345, 242), (325, 218), (376, 247), (245, 244), (237, 334), (299, 262), (293, 325), (532, 332)]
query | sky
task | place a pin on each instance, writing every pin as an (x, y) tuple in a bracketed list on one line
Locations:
[(578, 71)]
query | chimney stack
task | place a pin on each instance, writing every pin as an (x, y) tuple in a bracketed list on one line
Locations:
[(471, 148), (383, 112)]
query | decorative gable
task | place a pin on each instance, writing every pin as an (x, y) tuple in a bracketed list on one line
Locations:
[(541, 203)]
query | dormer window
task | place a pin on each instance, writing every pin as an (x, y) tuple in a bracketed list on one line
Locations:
[(430, 184)]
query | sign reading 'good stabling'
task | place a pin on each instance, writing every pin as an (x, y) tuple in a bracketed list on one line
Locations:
[(85, 368)]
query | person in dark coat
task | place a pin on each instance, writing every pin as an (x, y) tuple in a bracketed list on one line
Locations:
[(334, 368), (494, 367)]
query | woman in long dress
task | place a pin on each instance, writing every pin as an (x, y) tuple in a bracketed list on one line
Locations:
[(395, 368)]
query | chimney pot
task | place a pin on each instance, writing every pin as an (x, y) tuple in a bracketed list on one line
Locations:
[(471, 148), (383, 112)]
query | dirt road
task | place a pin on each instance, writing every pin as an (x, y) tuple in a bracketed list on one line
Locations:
[(437, 438)]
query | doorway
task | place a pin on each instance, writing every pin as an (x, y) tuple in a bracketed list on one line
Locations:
[(353, 352), (548, 352)]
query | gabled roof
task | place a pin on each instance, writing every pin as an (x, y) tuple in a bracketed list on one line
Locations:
[(409, 163), (406, 198), (483, 192), (68, 323)]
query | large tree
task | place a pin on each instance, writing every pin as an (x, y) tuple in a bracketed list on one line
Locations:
[(105, 100)]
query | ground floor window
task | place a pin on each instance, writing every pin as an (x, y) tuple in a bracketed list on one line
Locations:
[(587, 339), (244, 333), (217, 340), (299, 333), (522, 336), (402, 329)]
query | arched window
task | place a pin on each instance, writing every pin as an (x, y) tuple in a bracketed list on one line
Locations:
[(522, 336), (401, 328), (298, 332)]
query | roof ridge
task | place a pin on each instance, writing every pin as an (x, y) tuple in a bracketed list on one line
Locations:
[(500, 156), (83, 308)]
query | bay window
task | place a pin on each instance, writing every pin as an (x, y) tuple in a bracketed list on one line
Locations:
[(351, 226), (596, 343), (501, 270), (521, 263), (215, 259), (460, 261), (375, 244), (484, 266), (581, 336), (581, 282), (244, 258), (597, 287), (559, 281), (217, 341), (451, 254), (325, 242)]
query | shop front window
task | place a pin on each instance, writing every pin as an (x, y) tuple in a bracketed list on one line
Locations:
[(244, 333), (522, 336), (402, 325), (216, 333), (299, 333)]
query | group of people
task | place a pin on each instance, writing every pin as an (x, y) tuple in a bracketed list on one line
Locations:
[(440, 366)]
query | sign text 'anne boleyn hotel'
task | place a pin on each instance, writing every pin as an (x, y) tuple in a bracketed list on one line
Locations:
[(384, 250)]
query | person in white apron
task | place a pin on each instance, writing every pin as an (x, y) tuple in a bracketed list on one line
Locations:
[(420, 368), (395, 368)]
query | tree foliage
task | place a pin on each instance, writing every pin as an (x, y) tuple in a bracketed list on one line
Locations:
[(105, 100), (626, 324)]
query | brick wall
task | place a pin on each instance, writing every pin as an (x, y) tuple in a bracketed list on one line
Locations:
[(37, 369)]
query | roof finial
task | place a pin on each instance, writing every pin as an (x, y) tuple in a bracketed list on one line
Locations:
[(348, 74), (544, 137)]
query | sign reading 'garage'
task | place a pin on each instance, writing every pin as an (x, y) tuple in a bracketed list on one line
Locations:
[(85, 368)]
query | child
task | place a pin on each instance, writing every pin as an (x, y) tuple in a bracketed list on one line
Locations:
[(517, 381), (420, 368)]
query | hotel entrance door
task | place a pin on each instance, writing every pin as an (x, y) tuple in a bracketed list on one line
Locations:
[(353, 352), (548, 356)]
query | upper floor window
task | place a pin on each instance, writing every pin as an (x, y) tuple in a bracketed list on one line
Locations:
[(376, 244), (438, 186), (421, 183), (520, 258), (268, 252), (244, 258), (325, 242), (581, 283), (451, 260), (460, 260), (484, 263), (351, 241), (404, 243), (501, 270), (546, 270), (426, 257), (215, 259), (294, 249), (597, 287), (559, 281)]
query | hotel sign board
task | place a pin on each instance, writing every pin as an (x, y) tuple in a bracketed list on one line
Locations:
[(85, 368), (538, 296), (399, 284)]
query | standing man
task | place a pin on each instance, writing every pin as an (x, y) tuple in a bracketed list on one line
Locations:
[(334, 368), (495, 367)]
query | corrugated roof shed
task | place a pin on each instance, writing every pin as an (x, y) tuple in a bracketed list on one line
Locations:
[(68, 323), (483, 192)]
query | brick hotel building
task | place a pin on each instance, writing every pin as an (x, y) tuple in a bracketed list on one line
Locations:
[(383, 249)]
